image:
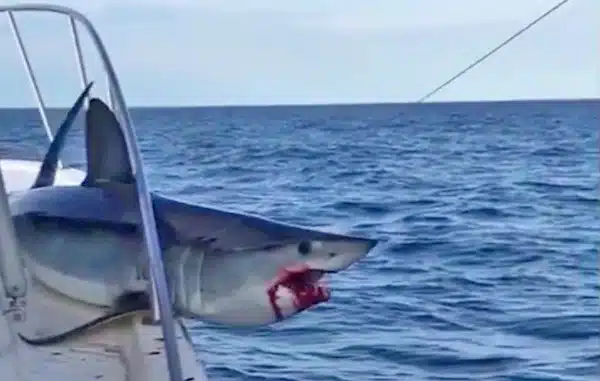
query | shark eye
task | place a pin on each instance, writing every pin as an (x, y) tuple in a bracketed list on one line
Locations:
[(304, 247)]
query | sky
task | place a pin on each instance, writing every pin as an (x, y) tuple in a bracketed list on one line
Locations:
[(242, 52)]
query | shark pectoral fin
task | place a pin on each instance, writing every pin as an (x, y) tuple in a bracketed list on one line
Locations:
[(47, 171), (125, 305), (107, 153)]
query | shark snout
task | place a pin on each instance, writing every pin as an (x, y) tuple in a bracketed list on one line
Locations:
[(337, 255)]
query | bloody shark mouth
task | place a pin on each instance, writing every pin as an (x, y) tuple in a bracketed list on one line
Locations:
[(303, 283)]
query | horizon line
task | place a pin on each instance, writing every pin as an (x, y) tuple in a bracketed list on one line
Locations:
[(337, 104)]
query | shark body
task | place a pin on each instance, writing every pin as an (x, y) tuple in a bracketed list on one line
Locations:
[(232, 268)]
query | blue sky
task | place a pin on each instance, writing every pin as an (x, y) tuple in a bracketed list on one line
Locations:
[(213, 52)]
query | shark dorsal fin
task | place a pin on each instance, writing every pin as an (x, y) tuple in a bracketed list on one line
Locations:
[(106, 149), (47, 172)]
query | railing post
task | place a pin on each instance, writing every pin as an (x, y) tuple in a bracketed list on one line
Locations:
[(79, 54), (12, 274), (30, 74)]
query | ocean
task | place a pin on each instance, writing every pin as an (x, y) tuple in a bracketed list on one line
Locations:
[(488, 215)]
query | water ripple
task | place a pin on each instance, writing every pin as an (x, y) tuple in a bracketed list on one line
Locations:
[(489, 215)]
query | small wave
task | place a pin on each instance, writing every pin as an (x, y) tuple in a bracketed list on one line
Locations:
[(474, 305), (485, 212), (422, 202), (439, 322), (221, 372), (412, 246), (582, 199), (426, 218), (464, 364), (434, 362), (362, 207), (566, 327), (547, 186), (555, 151)]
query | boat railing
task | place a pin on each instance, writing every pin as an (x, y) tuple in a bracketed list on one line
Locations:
[(12, 274), (14, 283)]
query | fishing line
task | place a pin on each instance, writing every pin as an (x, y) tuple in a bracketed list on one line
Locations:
[(488, 54)]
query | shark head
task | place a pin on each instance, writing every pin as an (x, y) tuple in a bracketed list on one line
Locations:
[(262, 284)]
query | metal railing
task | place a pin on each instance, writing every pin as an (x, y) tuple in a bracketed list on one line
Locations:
[(12, 274), (161, 305)]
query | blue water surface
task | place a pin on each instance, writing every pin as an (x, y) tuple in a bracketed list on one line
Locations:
[(488, 213)]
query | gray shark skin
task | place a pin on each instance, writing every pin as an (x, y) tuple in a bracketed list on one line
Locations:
[(231, 268)]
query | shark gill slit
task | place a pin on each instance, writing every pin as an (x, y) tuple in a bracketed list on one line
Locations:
[(198, 277), (189, 269)]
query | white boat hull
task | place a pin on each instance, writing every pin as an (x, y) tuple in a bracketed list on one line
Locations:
[(127, 348)]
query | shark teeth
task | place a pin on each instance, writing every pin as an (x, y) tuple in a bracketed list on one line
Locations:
[(304, 283)]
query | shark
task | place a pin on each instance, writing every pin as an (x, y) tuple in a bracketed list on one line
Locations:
[(85, 241)]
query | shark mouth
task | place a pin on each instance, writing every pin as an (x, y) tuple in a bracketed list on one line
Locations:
[(304, 283)]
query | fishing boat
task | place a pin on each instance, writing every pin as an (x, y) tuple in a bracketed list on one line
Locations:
[(127, 348), (65, 233)]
